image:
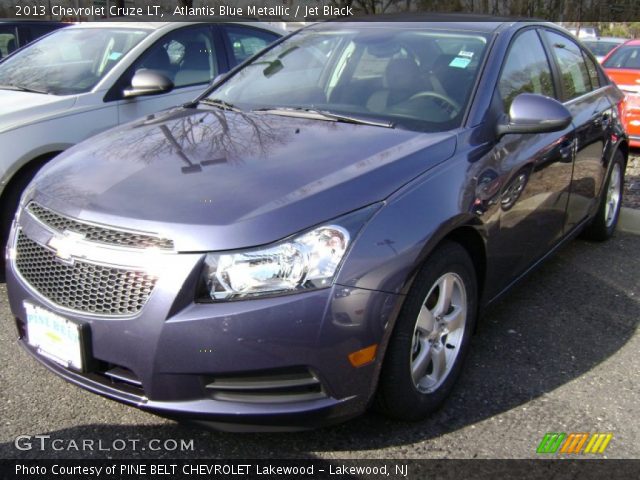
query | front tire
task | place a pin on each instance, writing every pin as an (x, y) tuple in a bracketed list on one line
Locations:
[(606, 220), (431, 337)]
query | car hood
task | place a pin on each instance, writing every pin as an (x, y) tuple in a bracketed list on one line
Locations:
[(218, 180), (626, 79), (21, 108)]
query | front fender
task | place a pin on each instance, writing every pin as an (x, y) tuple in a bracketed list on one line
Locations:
[(396, 241)]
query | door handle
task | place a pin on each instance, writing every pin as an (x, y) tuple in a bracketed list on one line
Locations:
[(566, 150)]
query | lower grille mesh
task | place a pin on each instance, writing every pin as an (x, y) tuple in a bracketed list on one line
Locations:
[(83, 286)]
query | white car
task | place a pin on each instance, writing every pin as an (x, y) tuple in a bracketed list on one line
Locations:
[(585, 32), (81, 80)]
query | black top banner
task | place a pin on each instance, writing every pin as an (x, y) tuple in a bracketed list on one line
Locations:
[(314, 10)]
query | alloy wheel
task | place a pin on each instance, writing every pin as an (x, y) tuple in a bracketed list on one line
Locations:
[(438, 333), (613, 195)]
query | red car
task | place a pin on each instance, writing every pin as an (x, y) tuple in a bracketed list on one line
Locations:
[(623, 66)]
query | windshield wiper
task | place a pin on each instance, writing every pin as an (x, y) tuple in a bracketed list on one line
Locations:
[(324, 114), (216, 102), (18, 88), (357, 120)]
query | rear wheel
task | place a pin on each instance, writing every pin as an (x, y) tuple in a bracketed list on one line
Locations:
[(606, 220), (431, 337)]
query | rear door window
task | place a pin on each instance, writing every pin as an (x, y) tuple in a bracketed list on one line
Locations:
[(245, 42), (8, 41), (574, 75)]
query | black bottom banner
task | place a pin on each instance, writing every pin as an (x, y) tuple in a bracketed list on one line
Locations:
[(319, 469)]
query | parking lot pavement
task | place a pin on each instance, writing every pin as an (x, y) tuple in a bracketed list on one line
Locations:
[(559, 354)]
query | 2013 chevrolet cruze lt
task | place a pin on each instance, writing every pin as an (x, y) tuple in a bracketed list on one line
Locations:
[(320, 229)]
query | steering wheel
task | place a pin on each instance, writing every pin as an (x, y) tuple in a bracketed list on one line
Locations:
[(448, 104)]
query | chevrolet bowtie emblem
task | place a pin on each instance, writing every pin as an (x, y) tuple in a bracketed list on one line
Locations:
[(67, 246)]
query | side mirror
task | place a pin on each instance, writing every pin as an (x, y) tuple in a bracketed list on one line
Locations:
[(148, 82), (532, 113)]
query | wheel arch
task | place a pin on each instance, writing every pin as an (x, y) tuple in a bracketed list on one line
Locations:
[(469, 233), (19, 180), (25, 168), (474, 243)]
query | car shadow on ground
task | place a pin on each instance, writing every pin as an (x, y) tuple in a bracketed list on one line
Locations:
[(572, 314)]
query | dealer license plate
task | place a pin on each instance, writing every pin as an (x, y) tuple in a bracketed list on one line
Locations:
[(54, 336)]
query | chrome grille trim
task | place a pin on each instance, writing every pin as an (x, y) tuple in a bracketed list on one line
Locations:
[(97, 233), (82, 287)]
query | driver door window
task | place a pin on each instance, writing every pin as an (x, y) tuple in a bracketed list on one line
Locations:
[(526, 70), (186, 57)]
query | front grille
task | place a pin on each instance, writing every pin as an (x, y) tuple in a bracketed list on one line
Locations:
[(83, 286), (96, 233)]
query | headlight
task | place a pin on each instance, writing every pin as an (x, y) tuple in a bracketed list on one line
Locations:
[(308, 261)]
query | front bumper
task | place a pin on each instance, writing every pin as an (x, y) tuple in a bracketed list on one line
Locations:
[(170, 356)]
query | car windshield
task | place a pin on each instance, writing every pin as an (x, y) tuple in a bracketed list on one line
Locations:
[(627, 56), (401, 75), (601, 48), (69, 61)]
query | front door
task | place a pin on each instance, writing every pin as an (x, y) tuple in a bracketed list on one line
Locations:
[(533, 171)]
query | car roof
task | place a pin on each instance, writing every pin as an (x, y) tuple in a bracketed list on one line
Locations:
[(454, 21), (106, 24), (170, 25), (32, 22), (634, 42)]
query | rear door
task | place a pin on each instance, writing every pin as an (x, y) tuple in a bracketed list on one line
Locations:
[(583, 93)]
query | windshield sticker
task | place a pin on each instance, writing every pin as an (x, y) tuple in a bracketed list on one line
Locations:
[(115, 55), (459, 62), (462, 53)]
